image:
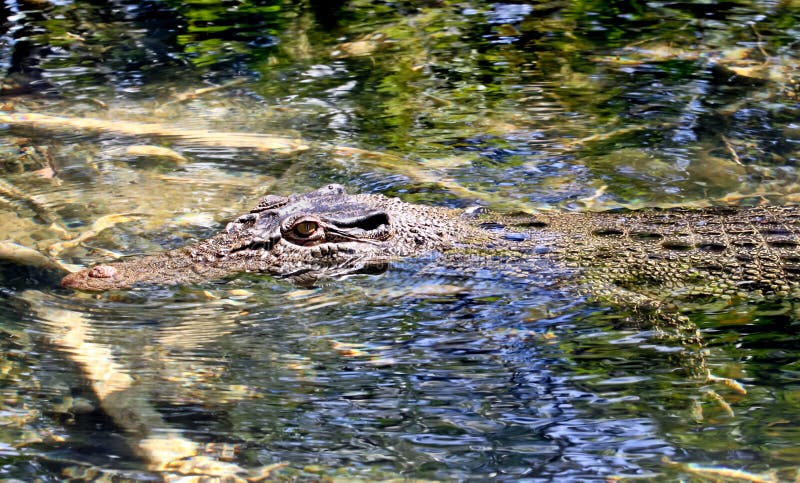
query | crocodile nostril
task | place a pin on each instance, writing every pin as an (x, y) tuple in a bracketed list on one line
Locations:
[(102, 271), (335, 188)]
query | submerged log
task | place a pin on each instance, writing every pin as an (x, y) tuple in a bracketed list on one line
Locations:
[(261, 142)]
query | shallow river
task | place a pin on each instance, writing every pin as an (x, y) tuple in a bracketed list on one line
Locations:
[(132, 127)]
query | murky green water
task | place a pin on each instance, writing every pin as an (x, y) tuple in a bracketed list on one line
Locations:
[(420, 372)]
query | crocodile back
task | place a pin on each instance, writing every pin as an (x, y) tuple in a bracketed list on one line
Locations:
[(679, 253)]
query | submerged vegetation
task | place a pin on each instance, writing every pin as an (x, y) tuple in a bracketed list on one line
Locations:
[(130, 127)]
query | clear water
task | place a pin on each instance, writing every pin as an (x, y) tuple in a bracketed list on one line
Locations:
[(420, 372)]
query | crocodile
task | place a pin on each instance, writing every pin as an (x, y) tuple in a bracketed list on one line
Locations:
[(644, 258)]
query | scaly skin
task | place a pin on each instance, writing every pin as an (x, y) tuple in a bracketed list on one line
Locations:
[(351, 234), (664, 255), (684, 253)]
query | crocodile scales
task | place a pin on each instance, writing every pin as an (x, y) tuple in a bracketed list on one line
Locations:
[(655, 254)]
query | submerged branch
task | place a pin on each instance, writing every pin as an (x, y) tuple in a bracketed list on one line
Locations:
[(191, 95), (21, 255), (397, 164), (10, 192), (99, 225), (114, 387), (274, 144), (718, 473), (260, 142), (122, 396)]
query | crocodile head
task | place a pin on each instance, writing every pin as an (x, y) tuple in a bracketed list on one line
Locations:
[(302, 237), (322, 233)]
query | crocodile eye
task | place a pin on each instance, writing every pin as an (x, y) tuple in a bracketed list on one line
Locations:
[(305, 228)]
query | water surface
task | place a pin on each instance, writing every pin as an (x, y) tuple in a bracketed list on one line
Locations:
[(420, 372)]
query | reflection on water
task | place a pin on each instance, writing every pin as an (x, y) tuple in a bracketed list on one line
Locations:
[(431, 384), (492, 378), (423, 371)]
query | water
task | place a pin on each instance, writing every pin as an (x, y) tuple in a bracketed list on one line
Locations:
[(419, 372)]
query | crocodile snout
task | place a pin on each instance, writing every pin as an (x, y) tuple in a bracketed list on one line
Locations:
[(83, 280)]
